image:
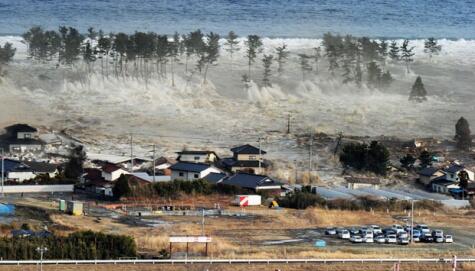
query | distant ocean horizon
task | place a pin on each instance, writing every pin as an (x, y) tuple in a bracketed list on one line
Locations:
[(413, 19)]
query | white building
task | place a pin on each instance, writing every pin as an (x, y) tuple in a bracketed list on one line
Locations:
[(111, 172), (452, 173), (208, 157), (191, 171)]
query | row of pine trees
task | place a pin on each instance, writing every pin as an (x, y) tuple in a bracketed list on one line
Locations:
[(145, 55), (86, 245)]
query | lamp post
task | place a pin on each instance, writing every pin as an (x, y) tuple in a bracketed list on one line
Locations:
[(3, 171), (41, 250), (412, 221)]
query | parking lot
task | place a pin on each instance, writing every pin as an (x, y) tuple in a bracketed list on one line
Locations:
[(389, 235)]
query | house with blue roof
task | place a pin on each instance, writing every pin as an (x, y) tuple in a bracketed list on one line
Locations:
[(253, 182), (191, 171)]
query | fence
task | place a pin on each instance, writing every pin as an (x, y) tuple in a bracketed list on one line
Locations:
[(240, 261), (12, 189)]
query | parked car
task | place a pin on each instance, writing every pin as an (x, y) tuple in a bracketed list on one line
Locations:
[(330, 231), (423, 228), (398, 228), (388, 231), (376, 229), (416, 234), (449, 239), (356, 239), (344, 234), (437, 233), (439, 239), (427, 238), (367, 233), (380, 239), (391, 239), (368, 240), (354, 231), (403, 235), (403, 241)]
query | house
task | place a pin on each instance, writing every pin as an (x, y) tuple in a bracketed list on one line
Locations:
[(253, 182), (96, 184), (214, 178), (22, 138), (246, 158), (443, 186), (453, 171), (112, 172), (191, 171), (17, 171), (42, 168), (207, 157), (427, 175), (150, 178), (362, 182), (118, 160)]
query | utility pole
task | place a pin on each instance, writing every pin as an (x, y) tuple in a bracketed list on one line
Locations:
[(153, 157), (412, 221), (203, 223), (310, 153), (3, 172), (41, 250), (131, 153), (288, 123), (260, 153)]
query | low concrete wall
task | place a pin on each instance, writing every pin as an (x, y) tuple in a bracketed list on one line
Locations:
[(11, 189)]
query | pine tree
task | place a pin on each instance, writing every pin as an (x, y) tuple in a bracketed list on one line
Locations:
[(254, 46), (7, 52), (267, 62), (418, 92), (425, 159), (211, 51), (304, 64), (463, 135), (122, 187), (407, 53), (431, 47), (374, 74), (383, 51), (232, 44), (407, 161), (386, 79), (282, 55), (394, 51), (316, 57), (74, 167)]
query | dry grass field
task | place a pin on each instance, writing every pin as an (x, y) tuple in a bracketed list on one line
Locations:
[(243, 267), (268, 233)]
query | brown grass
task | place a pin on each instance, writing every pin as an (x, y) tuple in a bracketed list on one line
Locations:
[(242, 267)]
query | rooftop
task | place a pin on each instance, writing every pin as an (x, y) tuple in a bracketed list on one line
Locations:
[(252, 181), (21, 127), (214, 177), (190, 167), (109, 168), (454, 168), (364, 180), (246, 149), (428, 171)]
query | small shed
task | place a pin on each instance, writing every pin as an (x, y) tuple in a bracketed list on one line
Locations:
[(362, 182), (74, 208)]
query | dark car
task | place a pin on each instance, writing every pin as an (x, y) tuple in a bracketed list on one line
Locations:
[(389, 231), (330, 231), (427, 239)]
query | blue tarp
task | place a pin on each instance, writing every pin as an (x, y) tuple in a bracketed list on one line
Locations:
[(320, 243), (7, 209)]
